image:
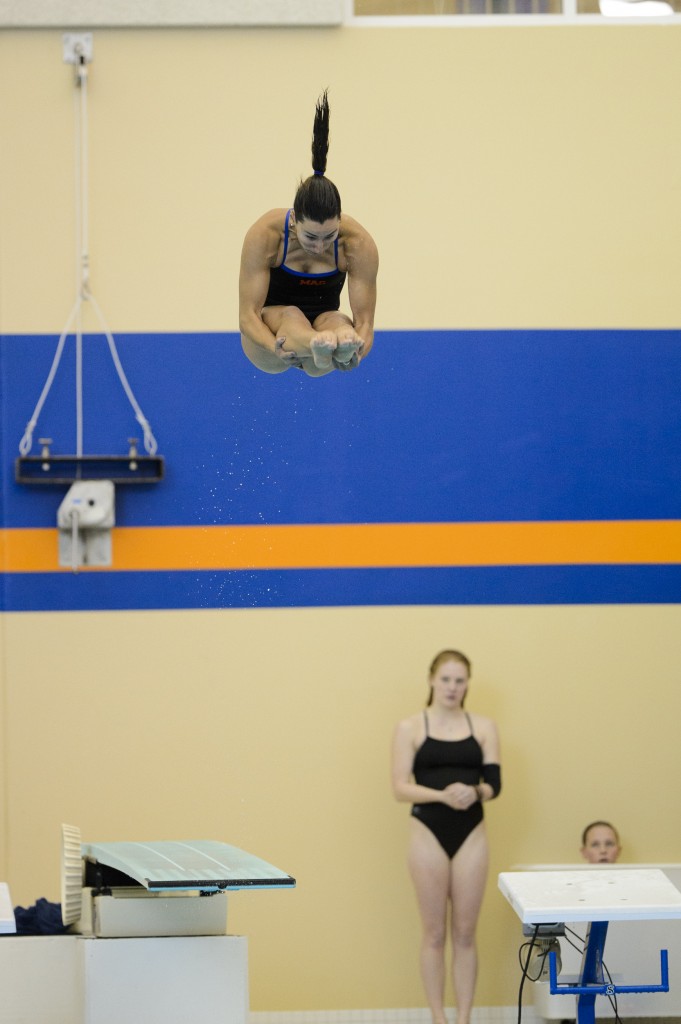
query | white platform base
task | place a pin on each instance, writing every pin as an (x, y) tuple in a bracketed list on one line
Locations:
[(40, 980), (69, 979)]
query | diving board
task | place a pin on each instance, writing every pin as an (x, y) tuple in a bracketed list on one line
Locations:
[(147, 937), (153, 888), (632, 951), (597, 896), (206, 865)]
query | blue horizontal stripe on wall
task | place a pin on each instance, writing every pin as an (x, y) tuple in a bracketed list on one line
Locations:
[(440, 426), (517, 585), (436, 426)]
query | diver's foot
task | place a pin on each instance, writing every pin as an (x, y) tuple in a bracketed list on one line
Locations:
[(347, 351), (322, 349)]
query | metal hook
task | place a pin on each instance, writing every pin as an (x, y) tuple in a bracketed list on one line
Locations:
[(45, 452), (133, 453)]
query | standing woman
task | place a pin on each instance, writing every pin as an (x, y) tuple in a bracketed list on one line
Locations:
[(446, 763), (294, 264)]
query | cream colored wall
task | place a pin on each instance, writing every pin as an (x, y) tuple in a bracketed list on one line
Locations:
[(532, 172), (270, 729)]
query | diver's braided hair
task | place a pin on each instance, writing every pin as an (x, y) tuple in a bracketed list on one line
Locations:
[(317, 198)]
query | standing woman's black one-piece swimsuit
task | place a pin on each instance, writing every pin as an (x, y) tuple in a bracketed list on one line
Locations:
[(437, 764)]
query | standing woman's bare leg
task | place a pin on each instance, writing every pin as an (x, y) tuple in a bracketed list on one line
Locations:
[(430, 873), (468, 877)]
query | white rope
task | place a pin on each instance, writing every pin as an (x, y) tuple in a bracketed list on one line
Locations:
[(83, 256), (27, 440), (149, 439), (84, 294), (82, 231), (79, 385)]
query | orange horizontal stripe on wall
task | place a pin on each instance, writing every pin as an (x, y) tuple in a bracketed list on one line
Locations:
[(357, 545)]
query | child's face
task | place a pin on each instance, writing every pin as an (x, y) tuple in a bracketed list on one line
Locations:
[(601, 845)]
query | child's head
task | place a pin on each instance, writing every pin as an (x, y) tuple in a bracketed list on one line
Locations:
[(600, 843)]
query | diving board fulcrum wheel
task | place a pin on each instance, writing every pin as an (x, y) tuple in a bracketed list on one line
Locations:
[(71, 874)]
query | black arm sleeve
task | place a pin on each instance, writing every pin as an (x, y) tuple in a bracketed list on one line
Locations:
[(491, 774)]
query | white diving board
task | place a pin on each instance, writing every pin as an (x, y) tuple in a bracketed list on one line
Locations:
[(632, 951), (598, 894), (195, 864)]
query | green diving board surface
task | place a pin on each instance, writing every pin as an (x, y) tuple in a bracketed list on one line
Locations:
[(196, 864)]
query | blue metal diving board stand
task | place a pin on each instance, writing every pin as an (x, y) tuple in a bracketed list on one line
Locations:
[(593, 982), (597, 896)]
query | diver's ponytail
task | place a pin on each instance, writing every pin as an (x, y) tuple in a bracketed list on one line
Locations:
[(317, 198), (320, 135)]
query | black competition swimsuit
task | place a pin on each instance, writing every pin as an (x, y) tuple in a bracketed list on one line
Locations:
[(437, 764), (311, 293)]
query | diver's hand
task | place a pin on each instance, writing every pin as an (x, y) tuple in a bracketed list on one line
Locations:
[(285, 356)]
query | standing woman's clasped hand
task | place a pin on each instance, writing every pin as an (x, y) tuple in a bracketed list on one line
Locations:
[(460, 797)]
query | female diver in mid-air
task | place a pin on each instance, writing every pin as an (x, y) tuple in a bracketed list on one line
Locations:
[(446, 763), (293, 267)]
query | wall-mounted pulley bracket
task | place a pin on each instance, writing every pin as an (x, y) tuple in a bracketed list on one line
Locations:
[(65, 469)]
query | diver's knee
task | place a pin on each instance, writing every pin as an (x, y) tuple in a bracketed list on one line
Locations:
[(265, 361)]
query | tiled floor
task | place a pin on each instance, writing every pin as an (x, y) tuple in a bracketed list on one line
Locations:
[(481, 1015)]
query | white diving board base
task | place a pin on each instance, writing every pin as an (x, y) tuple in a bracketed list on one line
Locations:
[(71, 979)]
